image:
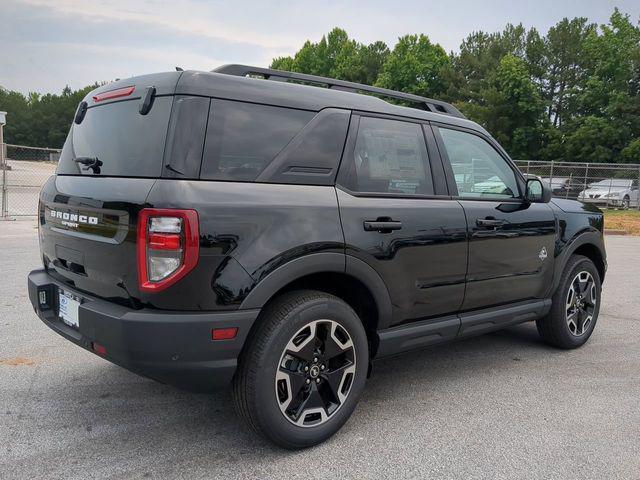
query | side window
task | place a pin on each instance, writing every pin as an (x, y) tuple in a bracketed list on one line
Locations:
[(243, 138), (390, 156), (479, 170)]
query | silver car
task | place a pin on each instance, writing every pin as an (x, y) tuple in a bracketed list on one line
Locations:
[(612, 192)]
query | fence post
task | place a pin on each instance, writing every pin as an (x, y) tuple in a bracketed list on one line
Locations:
[(586, 176), (4, 214), (638, 197)]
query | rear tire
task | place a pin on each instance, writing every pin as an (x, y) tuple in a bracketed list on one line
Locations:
[(575, 305), (303, 370)]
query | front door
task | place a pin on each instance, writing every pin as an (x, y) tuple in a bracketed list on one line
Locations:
[(400, 221), (511, 241)]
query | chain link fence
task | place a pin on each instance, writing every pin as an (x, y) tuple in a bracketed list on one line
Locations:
[(24, 170), (607, 185)]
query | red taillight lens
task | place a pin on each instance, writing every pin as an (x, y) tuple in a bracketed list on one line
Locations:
[(164, 241), (111, 94), (167, 246)]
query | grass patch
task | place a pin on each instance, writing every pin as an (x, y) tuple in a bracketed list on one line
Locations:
[(627, 220)]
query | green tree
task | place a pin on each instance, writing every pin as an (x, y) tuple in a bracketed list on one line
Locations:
[(565, 66), (631, 153), (511, 108), (415, 66), (337, 56), (40, 120), (18, 128), (593, 139)]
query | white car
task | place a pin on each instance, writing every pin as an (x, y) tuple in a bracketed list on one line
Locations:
[(612, 192)]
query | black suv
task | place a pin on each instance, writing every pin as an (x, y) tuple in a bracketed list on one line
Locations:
[(247, 227)]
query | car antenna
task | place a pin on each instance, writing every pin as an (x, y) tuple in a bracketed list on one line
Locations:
[(179, 69)]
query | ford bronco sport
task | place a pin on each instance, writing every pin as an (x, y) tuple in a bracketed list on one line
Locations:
[(245, 227)]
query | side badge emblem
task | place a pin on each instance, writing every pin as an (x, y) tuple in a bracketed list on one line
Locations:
[(543, 254)]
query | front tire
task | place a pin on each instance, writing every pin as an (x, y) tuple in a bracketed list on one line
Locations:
[(626, 203), (304, 369), (575, 305)]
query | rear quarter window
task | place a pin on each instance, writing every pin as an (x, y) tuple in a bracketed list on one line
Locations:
[(243, 138), (126, 142)]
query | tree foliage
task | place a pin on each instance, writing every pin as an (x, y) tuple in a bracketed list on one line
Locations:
[(40, 120), (337, 56), (572, 94), (415, 66)]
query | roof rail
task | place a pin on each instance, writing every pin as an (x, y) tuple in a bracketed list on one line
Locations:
[(425, 103)]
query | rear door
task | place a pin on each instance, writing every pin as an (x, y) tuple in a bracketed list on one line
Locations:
[(397, 218), (511, 241)]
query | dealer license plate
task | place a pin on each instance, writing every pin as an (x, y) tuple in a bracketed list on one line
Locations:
[(68, 308)]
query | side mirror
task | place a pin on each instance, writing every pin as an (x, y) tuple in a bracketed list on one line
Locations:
[(537, 191)]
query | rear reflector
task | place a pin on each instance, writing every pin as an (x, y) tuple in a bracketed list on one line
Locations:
[(224, 333), (111, 94), (99, 349)]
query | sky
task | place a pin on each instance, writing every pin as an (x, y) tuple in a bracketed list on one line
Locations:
[(47, 45)]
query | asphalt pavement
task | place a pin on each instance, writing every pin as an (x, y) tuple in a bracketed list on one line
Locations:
[(502, 405)]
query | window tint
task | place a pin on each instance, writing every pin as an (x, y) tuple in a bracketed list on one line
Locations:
[(127, 143), (185, 141), (313, 156), (479, 170), (390, 157), (242, 138)]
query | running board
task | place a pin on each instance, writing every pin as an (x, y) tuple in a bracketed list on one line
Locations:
[(439, 330)]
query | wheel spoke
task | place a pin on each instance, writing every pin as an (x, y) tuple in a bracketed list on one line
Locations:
[(313, 403), (582, 285), (580, 321), (336, 379), (571, 297), (304, 344), (572, 322), (335, 342), (297, 381)]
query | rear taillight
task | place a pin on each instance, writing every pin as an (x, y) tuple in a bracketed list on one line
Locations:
[(167, 246)]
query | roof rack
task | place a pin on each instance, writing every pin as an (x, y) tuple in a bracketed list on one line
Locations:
[(428, 104)]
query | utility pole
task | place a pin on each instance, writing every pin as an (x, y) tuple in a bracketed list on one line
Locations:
[(3, 165)]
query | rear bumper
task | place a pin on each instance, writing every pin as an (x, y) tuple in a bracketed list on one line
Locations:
[(171, 347)]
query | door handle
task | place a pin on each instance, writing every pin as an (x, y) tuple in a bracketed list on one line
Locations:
[(382, 226), (490, 222)]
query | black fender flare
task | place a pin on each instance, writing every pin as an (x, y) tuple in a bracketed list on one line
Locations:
[(589, 237), (323, 262)]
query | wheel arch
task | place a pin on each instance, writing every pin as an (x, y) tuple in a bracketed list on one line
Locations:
[(589, 244), (344, 276)]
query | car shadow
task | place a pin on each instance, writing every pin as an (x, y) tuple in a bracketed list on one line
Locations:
[(141, 409)]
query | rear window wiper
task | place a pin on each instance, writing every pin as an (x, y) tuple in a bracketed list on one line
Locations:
[(92, 163)]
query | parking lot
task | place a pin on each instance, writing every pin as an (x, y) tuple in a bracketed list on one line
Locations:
[(499, 406)]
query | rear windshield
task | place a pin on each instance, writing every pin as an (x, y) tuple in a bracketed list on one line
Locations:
[(125, 142)]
